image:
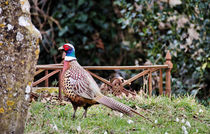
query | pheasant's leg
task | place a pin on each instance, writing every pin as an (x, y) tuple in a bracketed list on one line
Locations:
[(85, 113), (75, 109)]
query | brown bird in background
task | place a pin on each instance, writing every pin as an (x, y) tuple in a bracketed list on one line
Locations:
[(82, 90)]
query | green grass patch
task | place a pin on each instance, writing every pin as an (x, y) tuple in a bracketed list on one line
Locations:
[(168, 115)]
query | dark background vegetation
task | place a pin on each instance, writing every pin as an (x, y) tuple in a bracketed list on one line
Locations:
[(131, 32)]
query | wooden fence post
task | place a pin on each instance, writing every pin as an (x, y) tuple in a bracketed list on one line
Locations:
[(168, 74), (150, 83), (60, 87), (160, 82), (47, 80), (60, 76)]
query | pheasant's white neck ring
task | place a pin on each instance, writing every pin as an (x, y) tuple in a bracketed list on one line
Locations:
[(69, 58)]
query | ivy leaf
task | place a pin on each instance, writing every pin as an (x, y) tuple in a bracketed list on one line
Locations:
[(63, 31), (204, 66), (83, 17), (80, 2)]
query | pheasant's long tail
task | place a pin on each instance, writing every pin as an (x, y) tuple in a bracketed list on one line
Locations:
[(140, 115), (115, 105)]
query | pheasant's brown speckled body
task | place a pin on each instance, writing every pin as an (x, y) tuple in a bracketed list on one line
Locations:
[(74, 73), (82, 90)]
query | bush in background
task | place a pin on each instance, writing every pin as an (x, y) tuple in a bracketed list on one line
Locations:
[(129, 32), (179, 26)]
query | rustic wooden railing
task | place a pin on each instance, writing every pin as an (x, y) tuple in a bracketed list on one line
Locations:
[(148, 70)]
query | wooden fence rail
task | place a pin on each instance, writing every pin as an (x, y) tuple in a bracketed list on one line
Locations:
[(147, 70)]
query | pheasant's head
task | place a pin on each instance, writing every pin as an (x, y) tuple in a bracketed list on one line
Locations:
[(70, 51)]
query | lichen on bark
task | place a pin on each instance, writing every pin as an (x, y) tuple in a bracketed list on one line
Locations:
[(19, 52)]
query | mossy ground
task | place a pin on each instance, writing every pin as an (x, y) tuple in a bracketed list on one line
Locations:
[(169, 115)]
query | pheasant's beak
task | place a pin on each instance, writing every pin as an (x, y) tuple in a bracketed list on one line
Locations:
[(60, 48)]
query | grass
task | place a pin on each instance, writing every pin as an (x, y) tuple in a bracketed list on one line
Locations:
[(169, 115)]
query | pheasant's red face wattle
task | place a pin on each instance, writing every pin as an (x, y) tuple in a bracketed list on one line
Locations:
[(66, 47)]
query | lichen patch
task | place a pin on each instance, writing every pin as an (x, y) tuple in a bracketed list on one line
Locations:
[(19, 36), (9, 27), (10, 95), (1, 37), (28, 89), (10, 103), (0, 10), (37, 52), (6, 2), (2, 25), (29, 83), (37, 42), (27, 96), (1, 110), (9, 88), (22, 61), (24, 21), (35, 31), (25, 6), (15, 94), (9, 109)]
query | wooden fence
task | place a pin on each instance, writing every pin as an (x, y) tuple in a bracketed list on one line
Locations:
[(147, 70)]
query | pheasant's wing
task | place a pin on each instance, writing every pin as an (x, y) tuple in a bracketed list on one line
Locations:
[(80, 81)]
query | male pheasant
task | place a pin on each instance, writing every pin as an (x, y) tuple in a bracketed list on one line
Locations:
[(82, 90)]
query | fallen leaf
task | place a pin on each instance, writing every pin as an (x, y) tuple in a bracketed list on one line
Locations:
[(200, 111), (156, 121), (182, 120), (188, 124), (184, 128), (130, 121), (79, 128)]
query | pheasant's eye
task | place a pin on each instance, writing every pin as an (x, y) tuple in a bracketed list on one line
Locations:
[(67, 47)]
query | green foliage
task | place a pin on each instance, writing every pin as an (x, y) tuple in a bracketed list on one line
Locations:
[(123, 32), (92, 27), (179, 26), (88, 24), (170, 116)]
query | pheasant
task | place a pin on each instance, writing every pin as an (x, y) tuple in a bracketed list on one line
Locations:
[(82, 90)]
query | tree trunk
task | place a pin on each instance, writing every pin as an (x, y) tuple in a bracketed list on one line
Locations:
[(19, 52)]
